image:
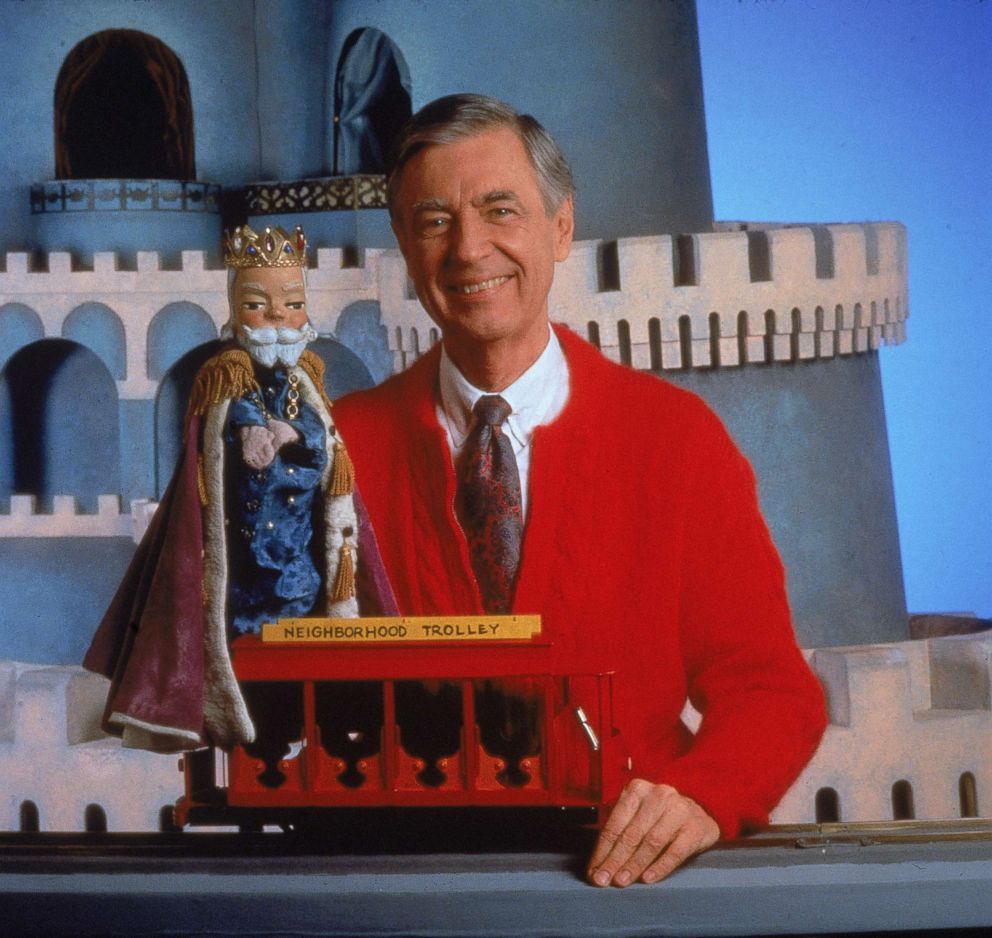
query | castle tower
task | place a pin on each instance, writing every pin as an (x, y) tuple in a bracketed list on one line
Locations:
[(140, 129)]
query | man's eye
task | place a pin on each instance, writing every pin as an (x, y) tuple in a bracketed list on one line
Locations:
[(253, 305), (296, 304), (433, 224), (501, 211)]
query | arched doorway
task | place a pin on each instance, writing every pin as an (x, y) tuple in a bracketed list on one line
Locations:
[(372, 101), (344, 371), (170, 410), (123, 110), (60, 410), (100, 329), (176, 329)]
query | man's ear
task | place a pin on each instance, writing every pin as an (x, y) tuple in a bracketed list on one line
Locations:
[(564, 222)]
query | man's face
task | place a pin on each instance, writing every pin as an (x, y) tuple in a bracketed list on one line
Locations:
[(478, 243), (269, 297)]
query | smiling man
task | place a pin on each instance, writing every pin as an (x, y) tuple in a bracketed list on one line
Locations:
[(514, 469)]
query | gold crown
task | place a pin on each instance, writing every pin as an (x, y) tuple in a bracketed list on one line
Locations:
[(272, 248)]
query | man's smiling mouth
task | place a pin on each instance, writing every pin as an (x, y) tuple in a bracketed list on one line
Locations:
[(469, 288)]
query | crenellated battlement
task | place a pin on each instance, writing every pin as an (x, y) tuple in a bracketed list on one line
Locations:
[(723, 298), (736, 296), (910, 724), (66, 519)]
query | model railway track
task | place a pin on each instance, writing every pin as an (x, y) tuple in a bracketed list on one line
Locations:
[(392, 835)]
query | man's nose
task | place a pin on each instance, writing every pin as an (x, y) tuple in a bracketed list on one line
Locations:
[(278, 310), (469, 240)]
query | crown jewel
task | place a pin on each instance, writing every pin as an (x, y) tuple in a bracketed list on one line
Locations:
[(274, 247)]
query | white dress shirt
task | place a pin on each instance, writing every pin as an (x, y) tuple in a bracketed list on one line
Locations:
[(537, 397)]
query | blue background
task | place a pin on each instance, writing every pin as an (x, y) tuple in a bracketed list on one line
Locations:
[(855, 110)]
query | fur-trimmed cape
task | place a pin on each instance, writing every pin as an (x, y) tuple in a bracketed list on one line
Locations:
[(163, 640)]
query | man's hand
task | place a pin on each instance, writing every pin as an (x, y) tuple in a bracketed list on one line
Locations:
[(651, 831), (257, 446)]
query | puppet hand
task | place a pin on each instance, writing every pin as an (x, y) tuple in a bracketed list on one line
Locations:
[(257, 448), (282, 433), (651, 830)]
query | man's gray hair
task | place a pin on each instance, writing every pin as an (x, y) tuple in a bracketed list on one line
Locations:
[(458, 116)]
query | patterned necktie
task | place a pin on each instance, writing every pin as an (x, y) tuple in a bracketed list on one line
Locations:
[(489, 506)]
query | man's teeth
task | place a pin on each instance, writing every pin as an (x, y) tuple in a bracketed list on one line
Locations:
[(485, 285)]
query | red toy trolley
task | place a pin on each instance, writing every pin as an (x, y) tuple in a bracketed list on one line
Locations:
[(408, 711)]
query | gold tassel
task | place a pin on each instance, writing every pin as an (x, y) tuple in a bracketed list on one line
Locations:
[(342, 473), (344, 582), (201, 481)]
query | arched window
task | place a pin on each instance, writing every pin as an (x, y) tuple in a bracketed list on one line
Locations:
[(902, 801), (372, 101), (714, 336), (827, 806), (742, 334), (654, 342), (685, 341), (123, 110), (968, 794), (592, 331), (95, 819), (623, 340), (30, 820), (770, 332)]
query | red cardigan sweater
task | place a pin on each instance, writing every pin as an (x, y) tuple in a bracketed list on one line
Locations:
[(645, 553)]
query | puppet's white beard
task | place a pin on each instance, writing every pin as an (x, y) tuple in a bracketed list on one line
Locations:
[(268, 346)]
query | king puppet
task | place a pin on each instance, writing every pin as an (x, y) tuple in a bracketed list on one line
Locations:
[(261, 520)]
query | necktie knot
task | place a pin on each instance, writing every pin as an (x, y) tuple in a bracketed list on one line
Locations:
[(492, 410)]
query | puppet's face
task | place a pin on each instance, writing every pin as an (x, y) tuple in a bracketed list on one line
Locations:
[(270, 314), (269, 297)]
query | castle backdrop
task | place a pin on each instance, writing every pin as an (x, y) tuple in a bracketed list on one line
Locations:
[(138, 130)]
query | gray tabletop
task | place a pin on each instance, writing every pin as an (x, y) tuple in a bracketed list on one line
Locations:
[(778, 887)]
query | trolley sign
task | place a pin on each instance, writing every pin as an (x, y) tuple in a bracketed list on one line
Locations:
[(483, 628)]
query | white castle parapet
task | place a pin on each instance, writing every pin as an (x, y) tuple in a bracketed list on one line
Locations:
[(914, 714), (721, 298), (909, 721), (738, 297), (57, 764), (66, 520)]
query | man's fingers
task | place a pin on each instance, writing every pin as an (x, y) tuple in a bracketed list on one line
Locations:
[(660, 838), (622, 814), (636, 811), (687, 843), (651, 831)]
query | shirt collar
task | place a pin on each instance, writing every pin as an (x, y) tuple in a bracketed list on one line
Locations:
[(530, 397)]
